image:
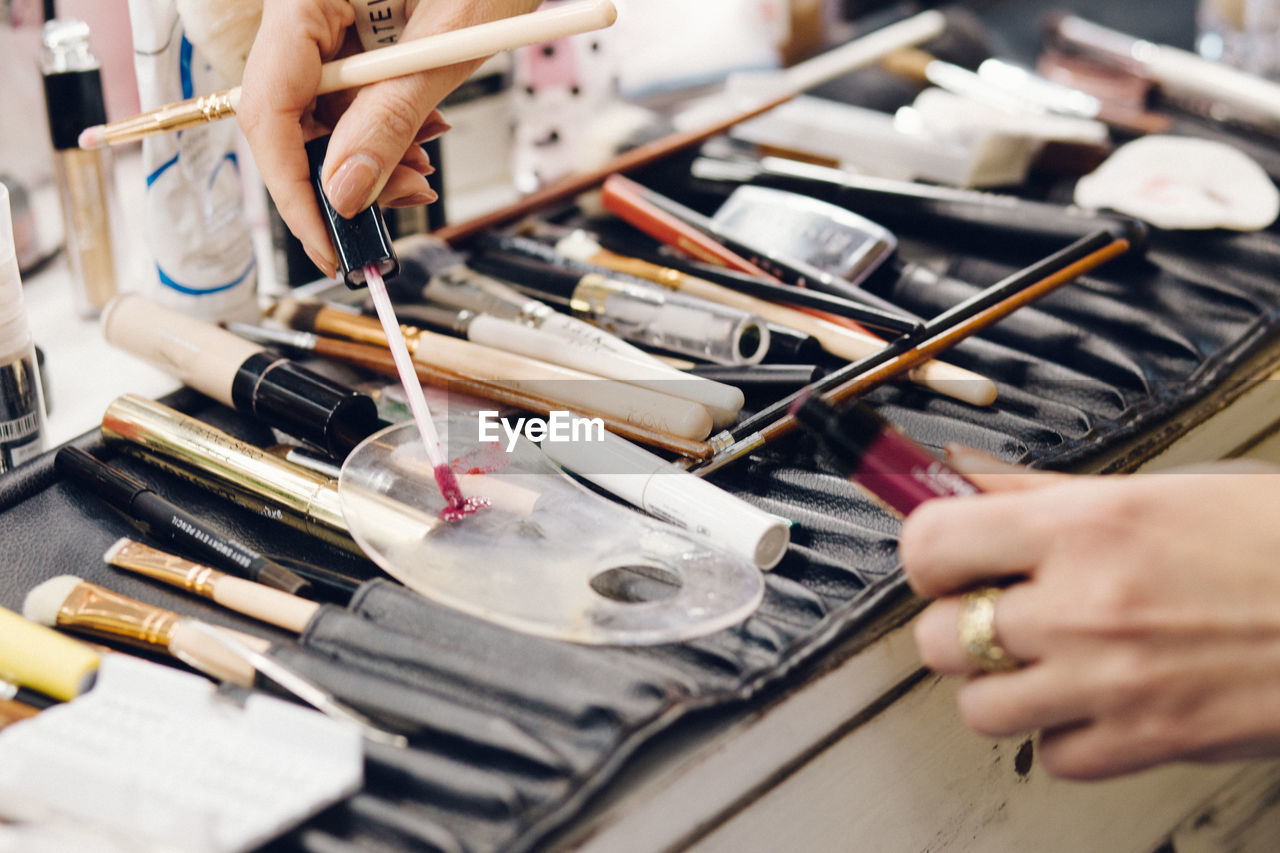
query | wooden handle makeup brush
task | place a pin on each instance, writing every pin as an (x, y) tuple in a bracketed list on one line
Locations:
[(377, 359), (243, 596), (575, 390), (407, 57)]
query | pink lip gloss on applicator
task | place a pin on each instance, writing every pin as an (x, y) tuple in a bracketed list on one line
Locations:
[(365, 257)]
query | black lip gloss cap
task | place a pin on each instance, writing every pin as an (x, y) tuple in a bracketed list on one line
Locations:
[(361, 240)]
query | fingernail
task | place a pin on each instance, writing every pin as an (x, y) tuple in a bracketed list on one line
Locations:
[(414, 199), (432, 131), (350, 190), (322, 262), (428, 171)]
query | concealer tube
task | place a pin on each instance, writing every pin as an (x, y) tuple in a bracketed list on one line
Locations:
[(242, 375), (77, 605), (573, 389), (243, 596), (73, 98)]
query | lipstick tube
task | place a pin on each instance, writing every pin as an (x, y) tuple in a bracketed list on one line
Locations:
[(73, 97), (635, 311), (242, 375), (874, 454), (248, 475)]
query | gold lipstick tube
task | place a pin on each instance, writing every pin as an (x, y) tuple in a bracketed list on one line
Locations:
[(252, 476)]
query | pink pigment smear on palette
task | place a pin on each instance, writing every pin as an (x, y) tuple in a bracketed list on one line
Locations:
[(457, 506)]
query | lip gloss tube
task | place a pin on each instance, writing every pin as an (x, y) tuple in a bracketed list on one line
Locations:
[(73, 97), (878, 457)]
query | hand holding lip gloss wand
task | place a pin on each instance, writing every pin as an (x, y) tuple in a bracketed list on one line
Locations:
[(365, 255)]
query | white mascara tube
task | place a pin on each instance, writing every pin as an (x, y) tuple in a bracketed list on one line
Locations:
[(672, 494)]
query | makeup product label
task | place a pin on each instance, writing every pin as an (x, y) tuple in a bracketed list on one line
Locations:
[(21, 422), (21, 400), (379, 22), (196, 227)]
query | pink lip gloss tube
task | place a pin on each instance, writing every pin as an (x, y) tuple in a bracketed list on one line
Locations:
[(878, 457)]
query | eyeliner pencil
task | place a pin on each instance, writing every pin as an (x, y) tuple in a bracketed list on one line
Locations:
[(407, 57), (169, 523), (939, 334)]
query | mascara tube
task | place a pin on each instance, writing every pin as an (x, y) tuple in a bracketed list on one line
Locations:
[(73, 98), (639, 312), (880, 458)]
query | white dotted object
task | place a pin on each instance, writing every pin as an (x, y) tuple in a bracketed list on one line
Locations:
[(1178, 182)]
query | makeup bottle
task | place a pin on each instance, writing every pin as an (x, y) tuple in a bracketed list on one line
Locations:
[(21, 399), (73, 98)]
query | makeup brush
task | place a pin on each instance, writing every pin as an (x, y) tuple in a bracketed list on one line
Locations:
[(577, 390), (845, 343), (407, 57), (378, 359), (939, 334), (252, 599), (294, 614), (70, 602)]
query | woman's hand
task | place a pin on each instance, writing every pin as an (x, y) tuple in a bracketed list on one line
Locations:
[(375, 152), (1146, 610)]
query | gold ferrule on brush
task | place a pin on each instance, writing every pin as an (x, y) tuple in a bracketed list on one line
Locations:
[(665, 276), (97, 610), (167, 568), (590, 294), (189, 113)]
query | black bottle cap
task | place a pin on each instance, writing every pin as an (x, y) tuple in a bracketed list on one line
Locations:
[(74, 101), (359, 241), (847, 432), (787, 346), (304, 404)]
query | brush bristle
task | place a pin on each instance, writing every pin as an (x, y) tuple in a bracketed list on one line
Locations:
[(92, 137), (44, 601), (116, 548)]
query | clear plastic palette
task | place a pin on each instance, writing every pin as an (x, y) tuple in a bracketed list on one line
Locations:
[(548, 557)]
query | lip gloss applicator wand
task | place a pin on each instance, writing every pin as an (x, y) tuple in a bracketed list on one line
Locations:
[(365, 256)]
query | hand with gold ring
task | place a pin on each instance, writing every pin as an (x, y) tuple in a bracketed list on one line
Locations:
[(1137, 617)]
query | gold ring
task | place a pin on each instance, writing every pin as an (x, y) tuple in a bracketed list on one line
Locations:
[(977, 629)]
